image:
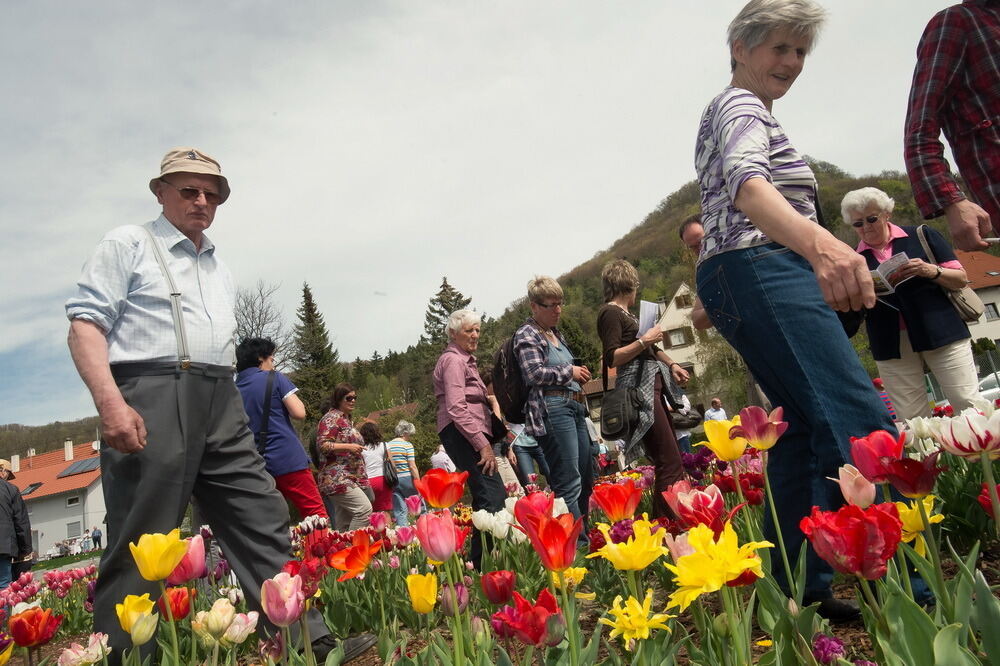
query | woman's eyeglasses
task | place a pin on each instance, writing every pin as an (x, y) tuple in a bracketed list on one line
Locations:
[(871, 219), (350, 398)]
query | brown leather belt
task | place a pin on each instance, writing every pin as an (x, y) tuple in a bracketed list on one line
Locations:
[(564, 393)]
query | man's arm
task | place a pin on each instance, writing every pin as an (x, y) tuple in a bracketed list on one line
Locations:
[(121, 426), (22, 525)]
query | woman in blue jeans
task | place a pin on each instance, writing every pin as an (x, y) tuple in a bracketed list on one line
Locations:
[(770, 276), (527, 453), (555, 413), (402, 456)]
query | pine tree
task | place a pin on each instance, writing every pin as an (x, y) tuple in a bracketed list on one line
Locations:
[(447, 300), (316, 364)]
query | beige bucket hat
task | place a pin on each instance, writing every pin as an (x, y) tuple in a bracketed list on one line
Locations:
[(5, 464), (191, 160)]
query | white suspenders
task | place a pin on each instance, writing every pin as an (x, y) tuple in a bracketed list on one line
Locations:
[(176, 311)]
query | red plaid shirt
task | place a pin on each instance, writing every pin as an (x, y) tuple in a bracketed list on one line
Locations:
[(956, 88)]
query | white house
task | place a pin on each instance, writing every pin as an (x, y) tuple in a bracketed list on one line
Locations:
[(678, 331), (63, 493)]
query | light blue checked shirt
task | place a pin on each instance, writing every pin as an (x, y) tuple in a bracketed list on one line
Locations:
[(123, 291)]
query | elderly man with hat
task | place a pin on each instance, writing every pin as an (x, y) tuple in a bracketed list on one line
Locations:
[(151, 333), (15, 526)]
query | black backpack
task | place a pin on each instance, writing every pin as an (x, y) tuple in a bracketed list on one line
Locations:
[(508, 384)]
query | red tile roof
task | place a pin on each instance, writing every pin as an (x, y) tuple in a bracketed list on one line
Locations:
[(46, 467), (978, 266)]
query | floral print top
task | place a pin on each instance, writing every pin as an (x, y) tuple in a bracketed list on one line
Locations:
[(339, 470)]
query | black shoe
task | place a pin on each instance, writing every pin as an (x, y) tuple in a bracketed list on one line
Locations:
[(837, 610), (354, 647)]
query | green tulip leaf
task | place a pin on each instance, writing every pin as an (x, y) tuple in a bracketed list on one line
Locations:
[(948, 648)]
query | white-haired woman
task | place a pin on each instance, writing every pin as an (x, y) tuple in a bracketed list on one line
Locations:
[(770, 276), (403, 458), (916, 324), (463, 418), (555, 415)]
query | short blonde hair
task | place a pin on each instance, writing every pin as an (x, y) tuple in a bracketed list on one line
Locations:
[(619, 277), (543, 287)]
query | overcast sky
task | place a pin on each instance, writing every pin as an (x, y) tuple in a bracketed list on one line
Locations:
[(374, 147)]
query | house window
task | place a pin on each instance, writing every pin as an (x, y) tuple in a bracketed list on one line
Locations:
[(73, 501), (684, 301), (680, 337), (73, 529), (991, 312)]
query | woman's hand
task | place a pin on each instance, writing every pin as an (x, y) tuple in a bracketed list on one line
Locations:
[(349, 447), (487, 460), (680, 374), (581, 374), (511, 456), (652, 336), (842, 274), (914, 268)]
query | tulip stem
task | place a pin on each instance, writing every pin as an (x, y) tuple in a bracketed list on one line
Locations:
[(454, 574), (306, 640), (991, 486), (904, 571), (572, 625), (932, 547), (176, 656), (777, 531), (870, 598), (194, 643)]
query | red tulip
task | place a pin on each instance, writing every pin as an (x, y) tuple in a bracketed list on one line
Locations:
[(440, 488), (538, 624), (35, 626), (760, 429), (310, 569), (180, 599), (498, 586), (617, 501), (554, 539), (872, 453), (914, 478), (352, 560), (438, 535), (854, 540), (984, 498), (696, 506)]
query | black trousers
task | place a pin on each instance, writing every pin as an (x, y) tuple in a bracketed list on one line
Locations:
[(487, 491)]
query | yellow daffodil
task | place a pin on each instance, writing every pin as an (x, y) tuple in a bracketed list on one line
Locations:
[(569, 578), (423, 591), (641, 549), (722, 445), (157, 555), (632, 621), (136, 616), (913, 524), (713, 563)]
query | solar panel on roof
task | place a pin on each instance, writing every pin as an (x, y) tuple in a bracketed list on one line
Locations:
[(80, 466)]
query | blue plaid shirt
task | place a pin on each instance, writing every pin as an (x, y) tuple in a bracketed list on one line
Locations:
[(532, 348)]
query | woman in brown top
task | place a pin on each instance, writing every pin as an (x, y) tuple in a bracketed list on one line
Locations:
[(639, 364)]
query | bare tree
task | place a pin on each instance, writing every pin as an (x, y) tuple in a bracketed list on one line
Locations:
[(258, 316)]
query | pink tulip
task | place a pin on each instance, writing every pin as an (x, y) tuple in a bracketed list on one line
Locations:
[(414, 504), (436, 533), (405, 535), (26, 577), (394, 561), (760, 429), (857, 490), (192, 565), (379, 521), (282, 599)]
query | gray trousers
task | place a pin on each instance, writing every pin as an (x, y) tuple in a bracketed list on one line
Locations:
[(198, 445)]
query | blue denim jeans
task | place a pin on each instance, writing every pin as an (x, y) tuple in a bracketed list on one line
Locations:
[(566, 445), (767, 304), (527, 456), (403, 489), (5, 565)]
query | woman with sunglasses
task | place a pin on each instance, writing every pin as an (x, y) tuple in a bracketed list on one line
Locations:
[(342, 478), (916, 324)]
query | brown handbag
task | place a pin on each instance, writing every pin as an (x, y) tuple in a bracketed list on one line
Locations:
[(967, 303)]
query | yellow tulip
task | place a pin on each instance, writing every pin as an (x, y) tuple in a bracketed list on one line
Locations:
[(913, 524), (423, 591), (6, 654), (641, 549), (157, 555), (136, 616), (713, 563), (570, 577), (722, 445), (632, 621)]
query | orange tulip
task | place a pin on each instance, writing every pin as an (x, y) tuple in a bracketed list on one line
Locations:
[(440, 488), (35, 626), (355, 559), (180, 599), (617, 500), (554, 539)]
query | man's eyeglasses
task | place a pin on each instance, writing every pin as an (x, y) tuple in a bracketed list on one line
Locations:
[(192, 193), (871, 219), (550, 306)]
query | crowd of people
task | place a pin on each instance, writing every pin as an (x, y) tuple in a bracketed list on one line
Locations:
[(150, 334)]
